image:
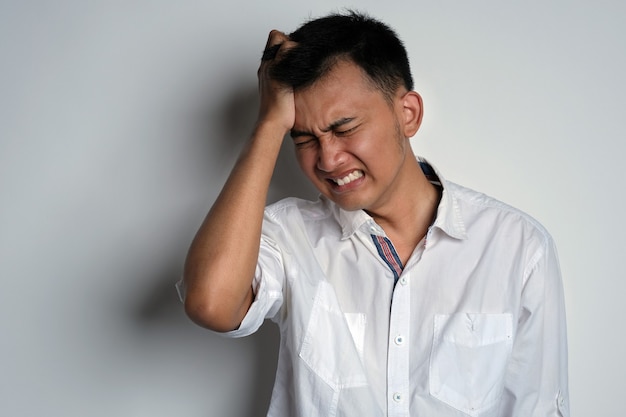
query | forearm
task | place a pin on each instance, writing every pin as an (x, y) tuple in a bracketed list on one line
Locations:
[(222, 258)]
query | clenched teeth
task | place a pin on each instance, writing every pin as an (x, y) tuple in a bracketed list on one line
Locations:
[(349, 178)]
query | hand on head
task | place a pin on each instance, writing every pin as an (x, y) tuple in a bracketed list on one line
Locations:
[(276, 99)]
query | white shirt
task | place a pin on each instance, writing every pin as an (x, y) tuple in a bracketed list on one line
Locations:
[(475, 325)]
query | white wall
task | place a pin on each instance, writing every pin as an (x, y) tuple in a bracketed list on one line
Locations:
[(119, 121)]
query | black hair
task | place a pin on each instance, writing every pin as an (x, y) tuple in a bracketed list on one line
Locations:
[(322, 42)]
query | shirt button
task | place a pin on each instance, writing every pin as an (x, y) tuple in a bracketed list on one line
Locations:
[(403, 280), (397, 397), (399, 340)]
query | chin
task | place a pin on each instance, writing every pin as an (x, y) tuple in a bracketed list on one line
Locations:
[(349, 201), (347, 205)]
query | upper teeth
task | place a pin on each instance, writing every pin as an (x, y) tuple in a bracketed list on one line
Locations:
[(349, 178)]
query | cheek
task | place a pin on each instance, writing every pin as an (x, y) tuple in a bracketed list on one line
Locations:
[(374, 147), (306, 162), (300, 159)]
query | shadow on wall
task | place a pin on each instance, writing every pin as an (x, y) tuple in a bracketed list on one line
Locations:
[(161, 308), (236, 120), (162, 312)]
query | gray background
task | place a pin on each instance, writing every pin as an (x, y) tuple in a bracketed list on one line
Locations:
[(119, 121)]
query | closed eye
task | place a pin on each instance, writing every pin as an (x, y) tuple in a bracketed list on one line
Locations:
[(305, 143), (346, 132)]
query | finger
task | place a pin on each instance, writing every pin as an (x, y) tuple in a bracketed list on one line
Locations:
[(276, 36), (274, 42), (270, 52)]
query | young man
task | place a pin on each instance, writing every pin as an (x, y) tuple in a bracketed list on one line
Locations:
[(397, 293)]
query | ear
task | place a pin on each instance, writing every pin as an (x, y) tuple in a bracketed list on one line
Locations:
[(412, 112)]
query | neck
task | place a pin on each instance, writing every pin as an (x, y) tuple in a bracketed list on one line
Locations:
[(408, 219)]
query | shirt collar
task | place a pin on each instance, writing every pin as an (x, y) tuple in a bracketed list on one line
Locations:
[(449, 218), (351, 221)]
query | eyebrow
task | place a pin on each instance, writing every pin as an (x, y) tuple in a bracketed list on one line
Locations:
[(334, 125)]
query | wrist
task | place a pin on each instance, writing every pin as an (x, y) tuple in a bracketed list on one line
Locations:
[(270, 130)]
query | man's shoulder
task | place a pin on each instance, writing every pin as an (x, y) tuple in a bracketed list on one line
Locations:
[(480, 205)]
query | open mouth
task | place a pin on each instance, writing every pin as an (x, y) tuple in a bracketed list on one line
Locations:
[(354, 175)]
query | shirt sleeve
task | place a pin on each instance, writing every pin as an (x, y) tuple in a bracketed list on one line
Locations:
[(537, 380), (267, 285)]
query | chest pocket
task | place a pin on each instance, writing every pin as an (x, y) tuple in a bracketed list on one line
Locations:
[(469, 359), (333, 343)]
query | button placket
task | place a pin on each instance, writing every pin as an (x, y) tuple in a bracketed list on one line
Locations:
[(398, 352)]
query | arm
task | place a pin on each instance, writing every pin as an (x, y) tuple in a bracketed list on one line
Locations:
[(537, 381), (221, 261)]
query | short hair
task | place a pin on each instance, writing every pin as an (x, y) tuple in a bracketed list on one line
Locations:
[(322, 42)]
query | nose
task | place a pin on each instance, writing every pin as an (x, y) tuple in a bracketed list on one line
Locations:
[(330, 155)]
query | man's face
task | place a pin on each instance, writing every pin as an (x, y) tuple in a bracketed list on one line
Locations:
[(349, 140)]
